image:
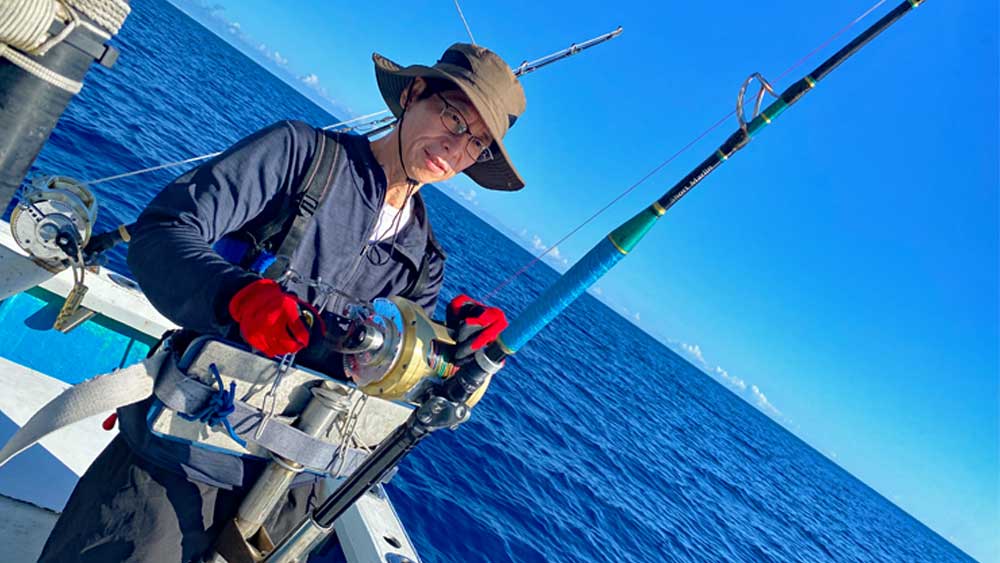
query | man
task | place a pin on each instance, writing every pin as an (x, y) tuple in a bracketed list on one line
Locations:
[(153, 500)]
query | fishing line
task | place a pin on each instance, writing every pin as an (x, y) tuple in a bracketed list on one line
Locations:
[(207, 156), (765, 87), (648, 175)]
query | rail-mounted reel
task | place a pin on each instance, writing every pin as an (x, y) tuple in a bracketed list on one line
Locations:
[(54, 219), (392, 350)]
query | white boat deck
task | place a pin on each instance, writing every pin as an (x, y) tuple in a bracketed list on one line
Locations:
[(24, 528), (26, 390), (35, 485)]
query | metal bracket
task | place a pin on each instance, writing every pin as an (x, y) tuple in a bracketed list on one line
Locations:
[(105, 55), (438, 412)]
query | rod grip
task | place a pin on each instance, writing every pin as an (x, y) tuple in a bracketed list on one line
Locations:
[(557, 297)]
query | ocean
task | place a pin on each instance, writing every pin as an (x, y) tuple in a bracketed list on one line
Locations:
[(595, 443)]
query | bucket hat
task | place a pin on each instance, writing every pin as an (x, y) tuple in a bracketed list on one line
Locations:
[(490, 86)]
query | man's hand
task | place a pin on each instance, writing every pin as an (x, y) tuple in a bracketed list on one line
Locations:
[(271, 319), (475, 324)]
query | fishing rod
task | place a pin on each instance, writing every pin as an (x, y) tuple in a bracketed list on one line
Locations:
[(603, 256), (445, 406), (527, 67)]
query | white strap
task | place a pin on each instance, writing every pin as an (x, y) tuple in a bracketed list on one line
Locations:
[(92, 397)]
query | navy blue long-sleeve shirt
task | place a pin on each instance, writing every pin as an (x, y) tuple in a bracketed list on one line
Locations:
[(171, 252)]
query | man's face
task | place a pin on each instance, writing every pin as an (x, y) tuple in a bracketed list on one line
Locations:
[(432, 150)]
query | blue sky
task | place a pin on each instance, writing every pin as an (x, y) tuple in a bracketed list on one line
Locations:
[(841, 272)]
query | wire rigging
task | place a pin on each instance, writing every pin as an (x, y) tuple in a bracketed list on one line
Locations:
[(467, 29)]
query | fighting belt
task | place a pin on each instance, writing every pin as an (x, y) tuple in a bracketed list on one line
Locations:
[(227, 399)]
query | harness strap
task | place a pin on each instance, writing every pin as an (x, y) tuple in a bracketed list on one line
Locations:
[(91, 397), (159, 375), (309, 198)]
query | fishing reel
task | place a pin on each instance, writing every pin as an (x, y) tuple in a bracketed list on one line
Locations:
[(391, 349), (54, 219)]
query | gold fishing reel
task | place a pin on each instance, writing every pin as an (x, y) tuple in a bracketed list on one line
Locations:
[(400, 352)]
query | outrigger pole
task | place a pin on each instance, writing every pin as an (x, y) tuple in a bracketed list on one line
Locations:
[(532, 66), (446, 408)]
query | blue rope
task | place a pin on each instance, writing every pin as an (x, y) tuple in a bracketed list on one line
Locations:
[(218, 408)]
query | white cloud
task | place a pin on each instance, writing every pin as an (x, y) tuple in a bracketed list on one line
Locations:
[(278, 59), (273, 56), (694, 351), (234, 27), (731, 380), (753, 395), (470, 195), (597, 291), (636, 317), (762, 401), (552, 254), (311, 80)]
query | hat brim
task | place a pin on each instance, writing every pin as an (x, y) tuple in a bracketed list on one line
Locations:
[(496, 174)]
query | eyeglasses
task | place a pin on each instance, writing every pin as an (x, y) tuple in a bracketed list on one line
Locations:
[(454, 122)]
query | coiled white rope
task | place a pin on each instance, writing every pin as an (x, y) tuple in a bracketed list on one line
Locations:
[(24, 26), (108, 14)]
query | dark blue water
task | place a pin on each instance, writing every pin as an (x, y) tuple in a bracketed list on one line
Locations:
[(596, 443)]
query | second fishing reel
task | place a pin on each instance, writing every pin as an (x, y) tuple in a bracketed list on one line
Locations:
[(54, 219)]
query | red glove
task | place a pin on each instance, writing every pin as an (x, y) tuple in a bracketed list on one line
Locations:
[(271, 319), (476, 324)]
